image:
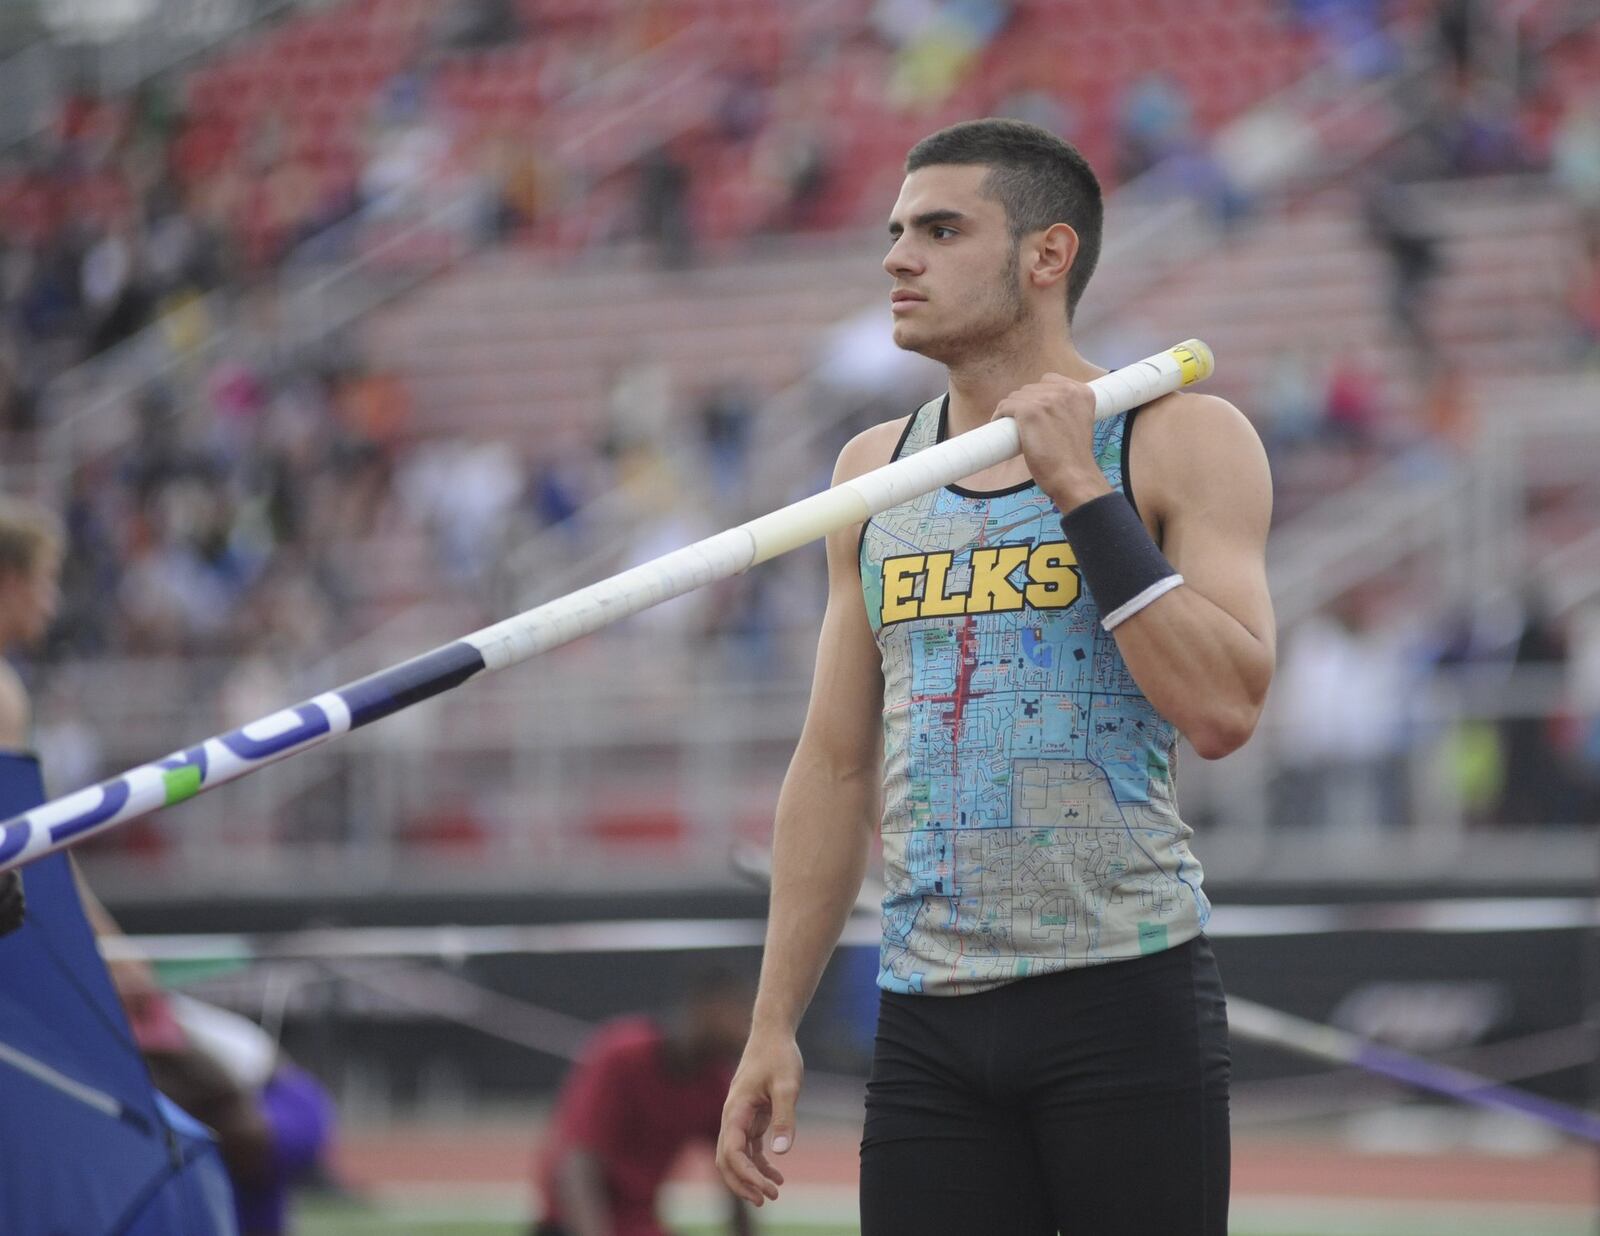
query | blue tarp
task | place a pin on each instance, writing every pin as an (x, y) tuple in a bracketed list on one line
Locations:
[(87, 1147)]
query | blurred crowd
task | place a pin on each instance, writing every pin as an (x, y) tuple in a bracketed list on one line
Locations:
[(1492, 716), (242, 505)]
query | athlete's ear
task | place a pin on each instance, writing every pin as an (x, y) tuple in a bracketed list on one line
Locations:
[(1054, 251)]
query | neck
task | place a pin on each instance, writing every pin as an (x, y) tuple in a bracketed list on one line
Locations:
[(978, 385)]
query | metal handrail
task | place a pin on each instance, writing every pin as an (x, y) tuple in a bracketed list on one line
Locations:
[(1370, 528), (174, 51)]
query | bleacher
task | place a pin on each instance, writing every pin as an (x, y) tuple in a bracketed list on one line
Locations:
[(1314, 283), (316, 80), (511, 347), (523, 343)]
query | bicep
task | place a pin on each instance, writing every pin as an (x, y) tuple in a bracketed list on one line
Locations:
[(1216, 508), (843, 717), (843, 721)]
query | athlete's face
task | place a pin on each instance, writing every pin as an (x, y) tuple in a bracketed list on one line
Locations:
[(29, 599), (957, 278)]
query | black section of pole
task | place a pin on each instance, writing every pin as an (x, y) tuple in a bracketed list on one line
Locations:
[(400, 686)]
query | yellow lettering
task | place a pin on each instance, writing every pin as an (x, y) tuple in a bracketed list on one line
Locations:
[(1053, 582), (899, 587), (992, 592), (934, 602)]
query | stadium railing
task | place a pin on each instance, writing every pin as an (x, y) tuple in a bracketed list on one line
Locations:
[(113, 56)]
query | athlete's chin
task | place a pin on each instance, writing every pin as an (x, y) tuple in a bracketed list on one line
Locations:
[(909, 339)]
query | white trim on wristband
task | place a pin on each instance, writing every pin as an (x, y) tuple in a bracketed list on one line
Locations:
[(1133, 605)]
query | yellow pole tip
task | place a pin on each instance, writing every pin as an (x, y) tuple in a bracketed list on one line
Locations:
[(1196, 359)]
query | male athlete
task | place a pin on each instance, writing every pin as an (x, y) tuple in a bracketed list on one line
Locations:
[(1004, 670), (30, 569)]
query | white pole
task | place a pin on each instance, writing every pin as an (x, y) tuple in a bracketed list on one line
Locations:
[(227, 757)]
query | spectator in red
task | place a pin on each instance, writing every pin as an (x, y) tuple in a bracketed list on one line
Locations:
[(644, 1089), (1353, 405)]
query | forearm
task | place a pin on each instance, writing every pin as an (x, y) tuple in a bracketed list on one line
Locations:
[(1200, 667), (204, 1089), (825, 820), (1172, 609), (581, 1183)]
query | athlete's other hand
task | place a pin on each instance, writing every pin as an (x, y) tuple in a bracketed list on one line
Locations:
[(1055, 422), (760, 1101), (11, 902)]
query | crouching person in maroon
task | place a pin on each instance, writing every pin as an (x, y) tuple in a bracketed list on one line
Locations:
[(644, 1089)]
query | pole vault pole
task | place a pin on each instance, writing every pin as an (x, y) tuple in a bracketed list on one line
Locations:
[(1249, 1020), (226, 757)]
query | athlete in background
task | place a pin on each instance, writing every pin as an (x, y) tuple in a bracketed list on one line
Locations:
[(30, 569), (645, 1088)]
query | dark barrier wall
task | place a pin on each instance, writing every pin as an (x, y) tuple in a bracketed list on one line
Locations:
[(1434, 994)]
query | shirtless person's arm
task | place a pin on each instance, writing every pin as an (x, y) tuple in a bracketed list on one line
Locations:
[(1202, 654), (827, 815)]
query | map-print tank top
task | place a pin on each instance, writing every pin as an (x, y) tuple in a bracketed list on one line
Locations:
[(1029, 821)]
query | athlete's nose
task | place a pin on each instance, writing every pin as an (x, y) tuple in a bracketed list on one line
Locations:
[(901, 259)]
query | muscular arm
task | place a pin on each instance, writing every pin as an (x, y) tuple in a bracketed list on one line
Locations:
[(204, 1089), (829, 803), (827, 812), (1203, 654)]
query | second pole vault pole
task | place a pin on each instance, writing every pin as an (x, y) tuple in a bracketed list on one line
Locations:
[(227, 757)]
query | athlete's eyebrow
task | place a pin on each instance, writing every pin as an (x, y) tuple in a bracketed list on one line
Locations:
[(927, 219)]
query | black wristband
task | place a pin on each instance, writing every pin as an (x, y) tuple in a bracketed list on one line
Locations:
[(1124, 568)]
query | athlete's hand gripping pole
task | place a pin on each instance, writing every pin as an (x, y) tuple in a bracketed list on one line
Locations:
[(226, 757)]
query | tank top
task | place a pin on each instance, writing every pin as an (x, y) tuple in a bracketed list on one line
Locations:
[(1029, 820)]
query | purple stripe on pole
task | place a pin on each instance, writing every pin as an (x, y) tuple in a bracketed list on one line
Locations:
[(113, 794), (313, 724), (400, 686), (1442, 1079)]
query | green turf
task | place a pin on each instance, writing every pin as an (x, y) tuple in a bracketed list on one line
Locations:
[(343, 1219), (356, 1223)]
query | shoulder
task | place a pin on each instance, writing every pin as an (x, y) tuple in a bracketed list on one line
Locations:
[(15, 713), (1193, 444), (869, 449), (1184, 420)]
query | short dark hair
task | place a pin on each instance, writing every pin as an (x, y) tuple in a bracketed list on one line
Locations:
[(1040, 179)]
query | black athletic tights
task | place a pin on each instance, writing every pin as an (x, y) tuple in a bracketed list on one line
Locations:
[(1093, 1102)]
